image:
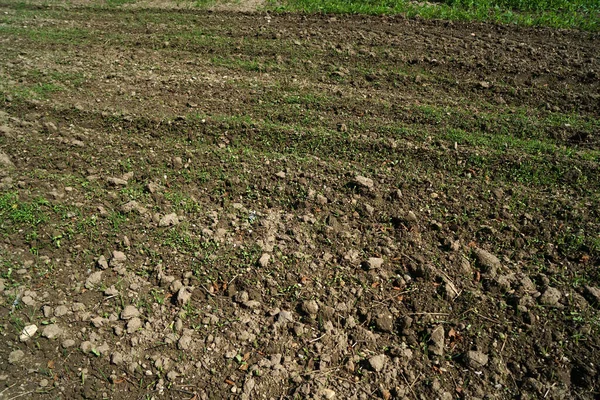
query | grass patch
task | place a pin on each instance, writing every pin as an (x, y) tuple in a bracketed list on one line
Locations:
[(579, 14), (22, 212)]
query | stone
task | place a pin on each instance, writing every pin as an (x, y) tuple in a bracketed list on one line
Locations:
[(477, 359), (94, 279), (310, 307), (68, 343), (183, 295), (550, 297), (328, 394), (284, 317), (185, 342), (169, 220), (134, 324), (592, 295), (487, 261), (263, 261), (322, 200), (60, 311), (116, 181), (28, 332), (118, 257), (437, 340), (129, 312), (280, 174), (5, 161), (52, 331), (102, 263), (377, 363), (385, 322), (116, 358), (15, 356), (363, 182), (373, 263)]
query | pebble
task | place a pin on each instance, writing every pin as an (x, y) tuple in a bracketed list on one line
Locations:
[(93, 280), (373, 263), (489, 262), (102, 263), (60, 311), (328, 394), (364, 182), (134, 324), (285, 316), (550, 297), (310, 307), (52, 331), (263, 261), (385, 322), (377, 362), (477, 359), (28, 332), (184, 295), (15, 356), (169, 220), (129, 312), (68, 343), (437, 340), (592, 294), (118, 257)]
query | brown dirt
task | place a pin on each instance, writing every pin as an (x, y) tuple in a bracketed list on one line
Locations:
[(254, 131)]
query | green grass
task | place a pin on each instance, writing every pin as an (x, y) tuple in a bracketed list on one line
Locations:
[(22, 212), (579, 14)]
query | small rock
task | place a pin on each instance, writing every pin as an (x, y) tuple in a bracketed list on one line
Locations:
[(592, 295), (68, 343), (15, 356), (116, 358), (385, 322), (117, 181), (264, 260), (328, 394), (322, 200), (28, 332), (102, 263), (169, 220), (52, 331), (249, 385), (437, 340), (5, 161), (86, 346), (184, 295), (118, 257), (60, 311), (280, 174), (551, 297), (373, 263), (94, 279), (477, 359), (285, 316), (129, 312), (185, 342), (377, 362), (489, 262), (172, 375), (44, 383), (364, 182), (411, 218), (310, 307), (134, 324), (177, 162)]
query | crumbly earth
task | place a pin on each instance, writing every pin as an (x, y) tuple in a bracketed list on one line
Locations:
[(212, 204)]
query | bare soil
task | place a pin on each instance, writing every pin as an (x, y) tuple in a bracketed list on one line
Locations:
[(216, 204)]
